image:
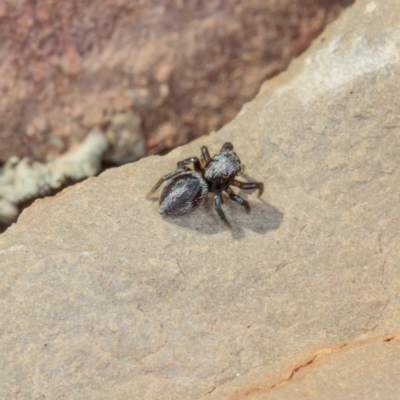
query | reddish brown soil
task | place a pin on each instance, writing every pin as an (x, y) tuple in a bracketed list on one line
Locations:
[(186, 67)]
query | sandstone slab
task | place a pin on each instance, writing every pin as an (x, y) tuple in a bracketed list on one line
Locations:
[(102, 298), (363, 370)]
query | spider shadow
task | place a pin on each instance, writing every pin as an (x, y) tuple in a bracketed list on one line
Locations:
[(263, 218)]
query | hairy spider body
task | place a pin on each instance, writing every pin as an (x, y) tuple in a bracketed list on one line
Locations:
[(221, 171), (187, 189)]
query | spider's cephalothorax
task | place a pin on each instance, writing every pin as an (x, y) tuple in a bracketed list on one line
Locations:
[(187, 189)]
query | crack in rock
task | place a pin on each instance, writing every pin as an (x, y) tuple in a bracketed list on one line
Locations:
[(306, 364), (260, 388)]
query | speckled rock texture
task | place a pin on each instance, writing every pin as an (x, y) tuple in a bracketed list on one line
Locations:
[(102, 298), (186, 67)]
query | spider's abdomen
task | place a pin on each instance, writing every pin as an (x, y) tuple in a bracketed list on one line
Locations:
[(183, 194)]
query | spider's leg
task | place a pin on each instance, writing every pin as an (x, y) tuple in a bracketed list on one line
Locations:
[(167, 177), (191, 160), (206, 155), (238, 199), (249, 185), (217, 204), (227, 146)]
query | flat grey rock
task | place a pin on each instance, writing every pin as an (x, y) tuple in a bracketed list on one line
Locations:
[(102, 298)]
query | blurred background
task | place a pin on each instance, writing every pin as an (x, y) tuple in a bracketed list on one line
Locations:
[(90, 84)]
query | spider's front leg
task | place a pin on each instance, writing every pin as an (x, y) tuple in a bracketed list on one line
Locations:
[(233, 196), (206, 155), (191, 160), (227, 146), (217, 204), (249, 186), (167, 178)]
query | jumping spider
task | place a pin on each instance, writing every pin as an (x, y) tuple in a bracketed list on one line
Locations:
[(187, 189)]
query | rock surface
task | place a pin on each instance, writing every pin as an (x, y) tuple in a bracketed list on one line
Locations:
[(23, 181), (102, 298), (186, 67), (363, 370)]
